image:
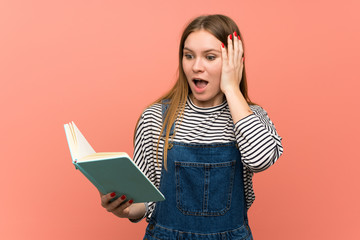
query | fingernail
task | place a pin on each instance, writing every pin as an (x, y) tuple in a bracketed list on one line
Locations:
[(131, 201), (123, 197), (235, 34), (239, 37), (222, 45), (112, 194), (230, 36)]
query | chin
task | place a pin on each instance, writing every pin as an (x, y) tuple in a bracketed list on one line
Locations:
[(207, 100), (199, 97)]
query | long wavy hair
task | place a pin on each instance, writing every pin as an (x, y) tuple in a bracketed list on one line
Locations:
[(218, 25)]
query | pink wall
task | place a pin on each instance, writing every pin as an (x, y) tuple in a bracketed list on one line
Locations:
[(99, 63)]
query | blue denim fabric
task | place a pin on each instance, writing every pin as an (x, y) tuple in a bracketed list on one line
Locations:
[(204, 193)]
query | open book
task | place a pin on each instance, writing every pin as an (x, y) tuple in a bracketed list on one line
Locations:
[(110, 171)]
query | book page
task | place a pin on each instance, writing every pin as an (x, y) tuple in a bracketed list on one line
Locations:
[(83, 148), (103, 155), (71, 140)]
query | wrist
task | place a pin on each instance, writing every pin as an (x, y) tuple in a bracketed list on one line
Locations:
[(137, 212)]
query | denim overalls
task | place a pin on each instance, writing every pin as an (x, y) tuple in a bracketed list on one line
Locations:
[(204, 193)]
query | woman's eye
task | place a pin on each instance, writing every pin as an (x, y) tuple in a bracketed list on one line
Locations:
[(211, 57), (188, 56)]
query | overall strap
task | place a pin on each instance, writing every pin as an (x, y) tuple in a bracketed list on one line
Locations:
[(164, 107)]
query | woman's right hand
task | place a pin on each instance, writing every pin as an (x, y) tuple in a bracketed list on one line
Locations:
[(121, 207)]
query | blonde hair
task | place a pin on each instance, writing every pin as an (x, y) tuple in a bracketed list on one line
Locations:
[(218, 25)]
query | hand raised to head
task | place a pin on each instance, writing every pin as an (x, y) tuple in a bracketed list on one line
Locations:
[(232, 63)]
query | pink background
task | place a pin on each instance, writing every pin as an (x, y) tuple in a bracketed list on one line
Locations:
[(100, 63)]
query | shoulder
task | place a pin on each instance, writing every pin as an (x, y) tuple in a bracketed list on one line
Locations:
[(152, 114), (152, 109), (263, 116), (258, 110)]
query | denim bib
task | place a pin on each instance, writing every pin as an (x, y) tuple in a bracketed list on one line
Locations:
[(204, 193)]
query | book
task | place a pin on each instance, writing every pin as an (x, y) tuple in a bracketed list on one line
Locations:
[(110, 171)]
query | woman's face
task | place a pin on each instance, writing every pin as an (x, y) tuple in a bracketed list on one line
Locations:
[(202, 63)]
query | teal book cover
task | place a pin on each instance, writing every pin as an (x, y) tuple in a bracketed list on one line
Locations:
[(110, 171)]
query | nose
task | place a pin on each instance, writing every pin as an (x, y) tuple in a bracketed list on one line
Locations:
[(198, 65)]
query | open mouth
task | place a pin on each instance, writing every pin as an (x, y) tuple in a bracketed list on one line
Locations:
[(200, 83)]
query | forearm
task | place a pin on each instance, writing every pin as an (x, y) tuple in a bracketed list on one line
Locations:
[(259, 143), (238, 106)]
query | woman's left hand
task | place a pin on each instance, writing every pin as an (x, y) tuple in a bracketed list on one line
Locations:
[(232, 64)]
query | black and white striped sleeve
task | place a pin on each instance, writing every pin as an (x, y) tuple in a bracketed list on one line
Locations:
[(143, 156), (259, 144)]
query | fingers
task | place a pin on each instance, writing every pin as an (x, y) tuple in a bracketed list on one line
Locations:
[(241, 66), (224, 55), (240, 48), (230, 49), (240, 59), (235, 50), (105, 198), (119, 204)]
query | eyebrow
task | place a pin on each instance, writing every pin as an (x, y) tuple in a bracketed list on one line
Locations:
[(208, 50)]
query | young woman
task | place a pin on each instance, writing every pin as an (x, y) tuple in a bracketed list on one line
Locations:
[(201, 143)]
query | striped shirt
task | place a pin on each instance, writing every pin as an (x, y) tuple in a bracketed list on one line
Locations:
[(258, 142)]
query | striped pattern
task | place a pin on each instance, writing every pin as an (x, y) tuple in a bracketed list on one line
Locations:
[(259, 144)]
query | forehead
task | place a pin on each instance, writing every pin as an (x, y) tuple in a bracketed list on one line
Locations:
[(201, 40)]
